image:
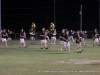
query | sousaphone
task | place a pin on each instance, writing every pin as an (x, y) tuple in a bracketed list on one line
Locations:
[(33, 25), (52, 26)]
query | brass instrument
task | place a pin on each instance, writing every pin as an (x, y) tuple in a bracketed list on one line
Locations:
[(52, 26), (33, 25)]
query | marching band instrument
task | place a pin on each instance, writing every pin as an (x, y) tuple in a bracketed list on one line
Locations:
[(79, 39), (52, 26), (33, 25)]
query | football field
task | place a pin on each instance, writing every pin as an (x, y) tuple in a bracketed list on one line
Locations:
[(34, 61)]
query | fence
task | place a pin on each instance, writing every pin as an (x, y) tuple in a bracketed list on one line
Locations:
[(15, 36)]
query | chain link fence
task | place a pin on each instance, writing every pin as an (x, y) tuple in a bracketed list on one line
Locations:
[(15, 36)]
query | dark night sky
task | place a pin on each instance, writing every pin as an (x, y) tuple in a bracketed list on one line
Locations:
[(17, 14)]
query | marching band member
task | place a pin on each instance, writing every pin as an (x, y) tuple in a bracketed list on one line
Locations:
[(66, 41), (71, 35), (47, 33), (99, 38), (4, 40), (32, 36), (95, 36), (0, 36), (43, 41), (74, 33), (66, 30), (22, 36), (55, 33), (82, 33), (9, 36), (78, 42), (61, 39), (53, 36)]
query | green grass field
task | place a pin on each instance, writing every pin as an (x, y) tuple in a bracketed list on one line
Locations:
[(34, 61)]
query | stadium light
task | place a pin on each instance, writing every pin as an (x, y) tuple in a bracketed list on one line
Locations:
[(80, 17), (54, 1), (99, 14)]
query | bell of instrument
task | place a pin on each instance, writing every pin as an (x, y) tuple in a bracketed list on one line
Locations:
[(52, 25), (33, 25)]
